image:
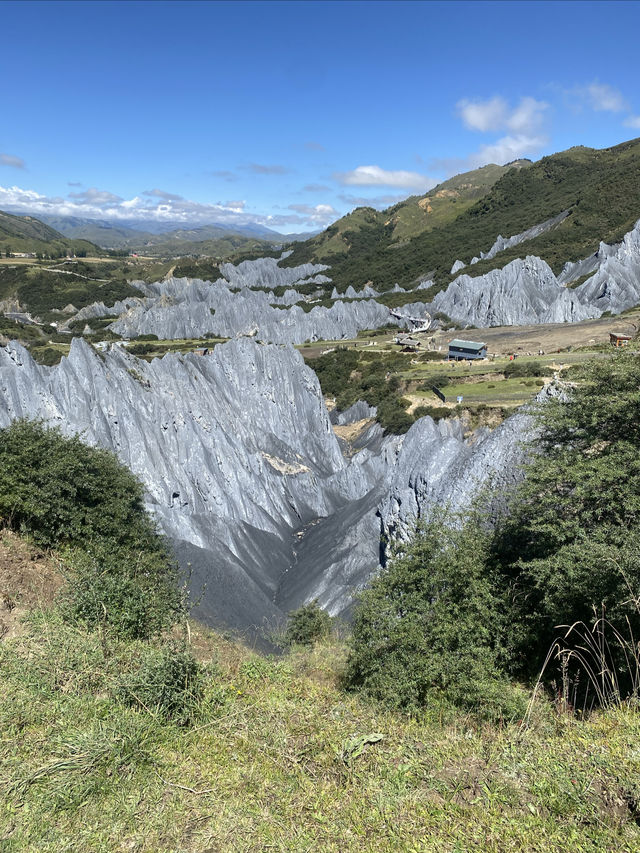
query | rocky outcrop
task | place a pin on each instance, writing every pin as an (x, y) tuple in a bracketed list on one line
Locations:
[(265, 272), (436, 468), (526, 291), (242, 469), (503, 243), (615, 286), (220, 312)]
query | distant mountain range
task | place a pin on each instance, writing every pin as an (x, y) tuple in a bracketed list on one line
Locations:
[(166, 237)]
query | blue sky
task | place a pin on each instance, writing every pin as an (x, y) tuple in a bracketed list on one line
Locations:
[(292, 113)]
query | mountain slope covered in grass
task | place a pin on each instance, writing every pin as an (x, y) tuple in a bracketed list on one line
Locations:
[(27, 234), (599, 188)]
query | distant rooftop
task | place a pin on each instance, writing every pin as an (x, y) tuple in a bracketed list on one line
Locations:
[(466, 344)]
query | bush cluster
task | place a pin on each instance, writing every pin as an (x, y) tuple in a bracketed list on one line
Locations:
[(461, 612), (307, 624), (517, 368), (168, 681), (65, 494)]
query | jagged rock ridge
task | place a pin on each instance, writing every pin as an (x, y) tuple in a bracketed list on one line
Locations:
[(243, 470), (526, 290)]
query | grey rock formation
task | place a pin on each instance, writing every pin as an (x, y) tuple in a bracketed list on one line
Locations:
[(367, 292), (615, 286), (503, 243), (243, 471), (576, 269), (436, 468), (458, 265), (265, 272), (360, 411), (226, 314), (526, 291)]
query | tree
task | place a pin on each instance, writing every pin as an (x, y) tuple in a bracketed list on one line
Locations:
[(307, 624), (572, 538), (428, 629)]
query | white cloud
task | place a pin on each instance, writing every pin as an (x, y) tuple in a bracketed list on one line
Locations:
[(162, 194), (632, 121), (374, 176), (319, 214), (505, 149), (483, 115), (101, 204), (495, 114), (604, 98), (94, 196), (12, 160)]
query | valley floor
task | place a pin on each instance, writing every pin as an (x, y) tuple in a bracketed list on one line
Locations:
[(281, 759)]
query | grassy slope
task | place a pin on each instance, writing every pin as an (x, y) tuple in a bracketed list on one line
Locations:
[(600, 188), (270, 763), (26, 234), (445, 202)]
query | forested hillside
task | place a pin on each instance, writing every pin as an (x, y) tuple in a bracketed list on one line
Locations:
[(599, 188)]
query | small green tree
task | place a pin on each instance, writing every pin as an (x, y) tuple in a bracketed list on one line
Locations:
[(68, 495), (428, 629), (307, 624)]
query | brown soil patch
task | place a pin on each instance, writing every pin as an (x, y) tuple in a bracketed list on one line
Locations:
[(350, 432), (549, 337), (28, 578)]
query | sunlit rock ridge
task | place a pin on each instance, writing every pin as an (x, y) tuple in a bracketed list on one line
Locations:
[(527, 291), (243, 471)]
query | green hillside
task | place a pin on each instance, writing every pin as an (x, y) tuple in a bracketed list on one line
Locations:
[(45, 292), (445, 202), (177, 244), (27, 234), (600, 188)]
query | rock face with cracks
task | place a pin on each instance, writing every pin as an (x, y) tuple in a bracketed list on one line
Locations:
[(526, 291), (244, 473)]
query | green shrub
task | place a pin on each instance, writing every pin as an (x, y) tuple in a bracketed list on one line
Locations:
[(523, 368), (392, 415), (435, 412), (307, 624), (140, 349), (169, 681), (428, 629), (136, 593), (570, 542), (64, 493), (440, 380), (46, 355), (61, 491)]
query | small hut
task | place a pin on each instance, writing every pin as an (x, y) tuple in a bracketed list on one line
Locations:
[(616, 339), (459, 350)]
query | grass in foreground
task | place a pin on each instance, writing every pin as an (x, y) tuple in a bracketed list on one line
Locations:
[(279, 758)]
